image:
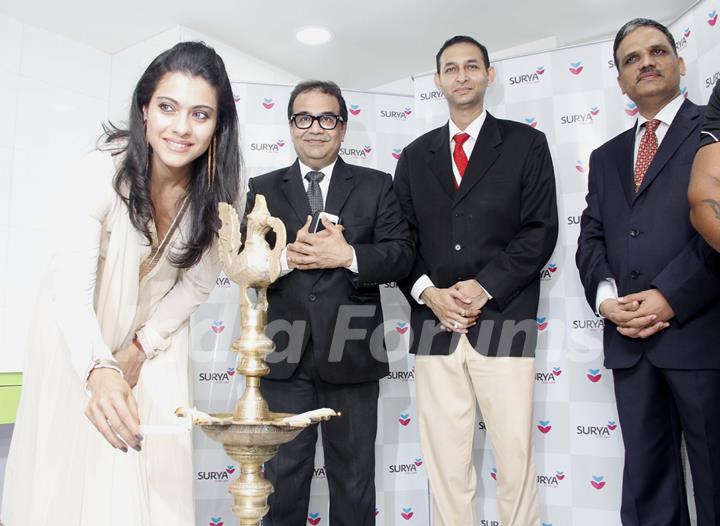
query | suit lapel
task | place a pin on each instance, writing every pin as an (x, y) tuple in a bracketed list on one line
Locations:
[(341, 184), (683, 124), (294, 191), (625, 168), (483, 156), (441, 162)]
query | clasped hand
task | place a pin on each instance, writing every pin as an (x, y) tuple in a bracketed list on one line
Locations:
[(112, 408), (639, 315), (457, 307), (322, 250)]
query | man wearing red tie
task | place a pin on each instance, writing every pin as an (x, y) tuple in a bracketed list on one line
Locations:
[(479, 196), (657, 284)]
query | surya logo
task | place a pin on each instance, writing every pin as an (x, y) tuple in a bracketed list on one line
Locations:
[(576, 67), (530, 121), (377, 512), (217, 326), (580, 166), (222, 282), (404, 419), (493, 473), (236, 98), (356, 153), (684, 92), (542, 323), (551, 480), (406, 469), (548, 377), (631, 109), (313, 518), (231, 371), (320, 473), (268, 103), (216, 475), (271, 147), (432, 95), (581, 118), (355, 109), (597, 482), (402, 327), (396, 115), (544, 426), (712, 18), (594, 375), (216, 521), (396, 153), (403, 376), (683, 42), (712, 79), (218, 378), (597, 431), (593, 324), (573, 220), (407, 513), (528, 78), (548, 271)]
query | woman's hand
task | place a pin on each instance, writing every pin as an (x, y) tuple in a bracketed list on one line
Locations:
[(130, 360), (112, 409)]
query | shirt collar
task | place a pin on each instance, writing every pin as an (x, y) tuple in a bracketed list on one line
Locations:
[(665, 115), (327, 170), (473, 128)]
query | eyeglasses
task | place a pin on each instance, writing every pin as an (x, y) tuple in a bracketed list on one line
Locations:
[(327, 121)]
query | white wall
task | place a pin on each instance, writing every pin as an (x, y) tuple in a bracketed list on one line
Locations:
[(56, 94)]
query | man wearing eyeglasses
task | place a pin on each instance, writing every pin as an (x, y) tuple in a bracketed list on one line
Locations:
[(324, 315)]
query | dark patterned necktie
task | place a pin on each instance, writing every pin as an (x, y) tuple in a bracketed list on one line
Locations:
[(646, 152), (314, 192)]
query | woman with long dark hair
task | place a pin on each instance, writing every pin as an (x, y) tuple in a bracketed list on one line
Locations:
[(134, 255)]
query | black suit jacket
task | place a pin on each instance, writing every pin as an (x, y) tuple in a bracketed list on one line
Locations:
[(338, 309), (645, 240), (499, 228)]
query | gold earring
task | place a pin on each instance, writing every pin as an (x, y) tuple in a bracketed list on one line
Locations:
[(211, 162)]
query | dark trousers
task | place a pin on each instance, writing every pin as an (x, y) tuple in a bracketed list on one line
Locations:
[(348, 445), (656, 406)]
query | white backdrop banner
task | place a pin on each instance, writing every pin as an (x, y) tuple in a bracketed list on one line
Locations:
[(572, 96)]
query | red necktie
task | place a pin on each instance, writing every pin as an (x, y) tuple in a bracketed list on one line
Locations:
[(459, 156), (646, 152)]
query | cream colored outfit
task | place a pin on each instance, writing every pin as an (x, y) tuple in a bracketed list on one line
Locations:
[(60, 470), (447, 390)]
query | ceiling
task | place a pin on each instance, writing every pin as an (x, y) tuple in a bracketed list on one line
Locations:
[(376, 41)]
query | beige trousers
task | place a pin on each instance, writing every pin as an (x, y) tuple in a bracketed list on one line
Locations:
[(447, 389)]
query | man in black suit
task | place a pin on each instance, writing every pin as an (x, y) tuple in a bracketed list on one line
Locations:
[(324, 312), (656, 283), (479, 196)]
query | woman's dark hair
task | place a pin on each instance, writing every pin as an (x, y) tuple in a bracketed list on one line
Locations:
[(132, 180)]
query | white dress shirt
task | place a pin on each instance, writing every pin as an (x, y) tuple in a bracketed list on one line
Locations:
[(607, 288), (324, 187), (473, 130)]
